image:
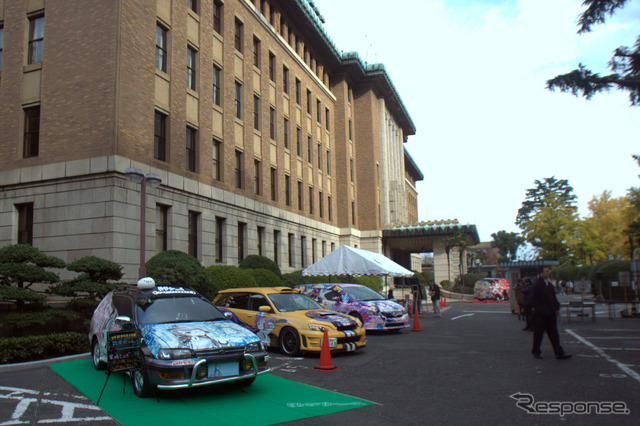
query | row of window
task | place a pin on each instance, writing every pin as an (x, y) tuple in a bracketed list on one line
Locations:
[(161, 64), (31, 147), (162, 232), (160, 153), (25, 236)]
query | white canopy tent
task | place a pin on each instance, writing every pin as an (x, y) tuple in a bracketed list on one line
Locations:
[(352, 261)]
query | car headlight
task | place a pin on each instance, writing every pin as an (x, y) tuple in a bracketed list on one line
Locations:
[(253, 347), (174, 353), (318, 328)]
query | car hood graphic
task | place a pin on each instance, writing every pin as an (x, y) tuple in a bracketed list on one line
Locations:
[(386, 306), (335, 318), (198, 336)]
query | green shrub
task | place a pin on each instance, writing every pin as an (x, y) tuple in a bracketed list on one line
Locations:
[(31, 348), (294, 278), (465, 283), (93, 278), (253, 261), (265, 278), (227, 276), (173, 267), (609, 270), (374, 283), (425, 277), (566, 272), (583, 272), (40, 317), (21, 265), (83, 305)]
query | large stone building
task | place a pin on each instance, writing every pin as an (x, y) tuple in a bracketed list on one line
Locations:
[(268, 140)]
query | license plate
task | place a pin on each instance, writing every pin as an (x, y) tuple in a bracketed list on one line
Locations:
[(333, 342), (223, 369)]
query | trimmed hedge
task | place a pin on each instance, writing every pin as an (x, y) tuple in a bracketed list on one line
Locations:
[(32, 348), (266, 278), (31, 318), (227, 276), (253, 261), (173, 267)]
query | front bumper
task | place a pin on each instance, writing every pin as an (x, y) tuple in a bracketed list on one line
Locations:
[(166, 375), (339, 341), (379, 322)]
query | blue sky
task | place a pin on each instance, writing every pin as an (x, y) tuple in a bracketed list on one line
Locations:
[(472, 76)]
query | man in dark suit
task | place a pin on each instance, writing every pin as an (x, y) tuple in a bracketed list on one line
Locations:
[(545, 312)]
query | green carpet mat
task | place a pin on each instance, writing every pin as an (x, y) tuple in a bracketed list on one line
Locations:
[(269, 400)]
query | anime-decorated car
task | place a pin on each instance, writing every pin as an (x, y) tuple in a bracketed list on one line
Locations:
[(284, 318), (371, 308), (492, 289), (185, 341)]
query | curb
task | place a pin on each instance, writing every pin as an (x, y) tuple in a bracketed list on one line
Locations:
[(42, 363)]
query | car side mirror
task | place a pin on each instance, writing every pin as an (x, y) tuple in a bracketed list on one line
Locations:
[(123, 320), (264, 308), (228, 314)]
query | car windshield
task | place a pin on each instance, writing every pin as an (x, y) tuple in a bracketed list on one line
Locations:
[(289, 302), (361, 294), (177, 309)]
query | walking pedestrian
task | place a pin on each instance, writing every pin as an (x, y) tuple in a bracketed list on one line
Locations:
[(434, 292), (545, 312)]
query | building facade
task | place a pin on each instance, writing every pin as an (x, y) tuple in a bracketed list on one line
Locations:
[(267, 139)]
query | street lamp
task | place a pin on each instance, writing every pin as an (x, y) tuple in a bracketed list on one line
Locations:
[(135, 175)]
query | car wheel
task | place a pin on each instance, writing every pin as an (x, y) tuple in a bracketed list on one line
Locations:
[(289, 341), (141, 385), (95, 354)]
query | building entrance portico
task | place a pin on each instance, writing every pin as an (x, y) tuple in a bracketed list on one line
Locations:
[(400, 242)]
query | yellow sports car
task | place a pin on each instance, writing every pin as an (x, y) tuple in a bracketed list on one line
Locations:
[(283, 317)]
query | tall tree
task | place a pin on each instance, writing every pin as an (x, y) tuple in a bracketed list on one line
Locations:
[(536, 198), (548, 218), (460, 241), (625, 63), (633, 215), (507, 244), (607, 222)]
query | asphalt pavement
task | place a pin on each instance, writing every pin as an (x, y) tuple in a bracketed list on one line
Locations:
[(474, 366), (471, 366)]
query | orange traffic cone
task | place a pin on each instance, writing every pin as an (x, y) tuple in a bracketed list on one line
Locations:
[(416, 323), (444, 303), (440, 302), (325, 355)]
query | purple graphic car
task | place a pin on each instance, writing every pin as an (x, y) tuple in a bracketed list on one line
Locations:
[(375, 312)]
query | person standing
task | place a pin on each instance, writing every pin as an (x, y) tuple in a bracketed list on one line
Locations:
[(434, 292), (545, 312), (519, 298), (569, 287), (526, 304)]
